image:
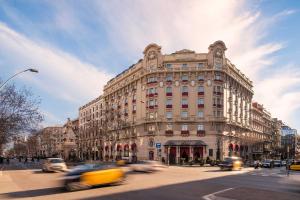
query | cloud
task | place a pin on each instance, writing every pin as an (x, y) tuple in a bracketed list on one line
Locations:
[(195, 24), (60, 74)]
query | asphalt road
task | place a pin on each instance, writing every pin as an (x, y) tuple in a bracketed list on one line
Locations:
[(27, 182)]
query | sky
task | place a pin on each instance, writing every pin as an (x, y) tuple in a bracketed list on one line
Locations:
[(77, 46)]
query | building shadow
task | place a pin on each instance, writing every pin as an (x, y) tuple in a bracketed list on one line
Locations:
[(32, 193)]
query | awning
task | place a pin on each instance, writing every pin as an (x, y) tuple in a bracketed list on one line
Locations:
[(185, 143)]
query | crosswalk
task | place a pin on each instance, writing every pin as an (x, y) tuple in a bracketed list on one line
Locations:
[(269, 173)]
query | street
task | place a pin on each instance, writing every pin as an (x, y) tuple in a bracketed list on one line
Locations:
[(25, 181)]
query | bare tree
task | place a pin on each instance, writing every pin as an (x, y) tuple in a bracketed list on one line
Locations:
[(18, 112)]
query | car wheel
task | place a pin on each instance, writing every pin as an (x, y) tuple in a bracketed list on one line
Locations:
[(74, 186)]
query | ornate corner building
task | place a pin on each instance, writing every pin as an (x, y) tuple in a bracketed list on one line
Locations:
[(177, 107)]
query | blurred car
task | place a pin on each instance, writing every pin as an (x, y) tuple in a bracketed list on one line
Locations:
[(89, 175), (231, 163), (147, 166), (295, 165), (54, 165), (267, 163), (277, 163), (283, 163)]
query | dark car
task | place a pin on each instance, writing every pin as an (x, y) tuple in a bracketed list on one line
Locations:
[(267, 164), (277, 163), (231, 163)]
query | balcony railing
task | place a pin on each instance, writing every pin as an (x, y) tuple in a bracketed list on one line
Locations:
[(151, 132), (169, 94), (185, 94), (184, 106), (169, 106), (169, 132), (201, 133), (200, 105), (185, 133), (200, 93)]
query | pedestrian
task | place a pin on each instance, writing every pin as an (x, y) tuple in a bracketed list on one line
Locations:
[(32, 159), (7, 160), (38, 158), (20, 159), (25, 161)]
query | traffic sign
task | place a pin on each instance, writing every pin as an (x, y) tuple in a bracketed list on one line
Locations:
[(158, 145)]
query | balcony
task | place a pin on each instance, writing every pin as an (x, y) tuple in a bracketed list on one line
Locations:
[(169, 132), (218, 80), (200, 105), (126, 104), (200, 93), (185, 133), (133, 100), (184, 81), (185, 94), (200, 80), (184, 106), (169, 94), (150, 132), (134, 112), (201, 133), (125, 114), (169, 106), (151, 107), (151, 82)]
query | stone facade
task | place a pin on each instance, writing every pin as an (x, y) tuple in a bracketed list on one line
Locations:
[(177, 107)]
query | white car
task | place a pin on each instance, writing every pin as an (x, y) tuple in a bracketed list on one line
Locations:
[(54, 165), (147, 166)]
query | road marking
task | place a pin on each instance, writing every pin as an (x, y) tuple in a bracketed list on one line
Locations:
[(213, 196)]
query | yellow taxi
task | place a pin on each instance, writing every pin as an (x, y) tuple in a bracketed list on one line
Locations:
[(295, 165), (89, 175)]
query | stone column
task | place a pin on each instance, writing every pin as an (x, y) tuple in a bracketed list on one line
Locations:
[(168, 155), (177, 155), (191, 153)]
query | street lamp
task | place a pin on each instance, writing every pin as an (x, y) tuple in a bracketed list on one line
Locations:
[(26, 70)]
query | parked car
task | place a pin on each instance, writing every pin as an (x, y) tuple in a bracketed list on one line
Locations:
[(89, 175), (54, 165), (147, 166), (231, 163), (283, 163), (277, 163), (295, 165), (267, 164)]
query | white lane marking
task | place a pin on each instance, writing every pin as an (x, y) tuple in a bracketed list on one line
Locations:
[(213, 196)]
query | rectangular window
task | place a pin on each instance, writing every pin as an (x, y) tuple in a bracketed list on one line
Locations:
[(184, 102), (184, 89), (184, 65), (210, 152), (134, 107), (184, 114), (200, 127), (184, 77), (169, 102), (169, 77), (200, 101), (151, 103), (200, 89), (218, 77), (168, 89), (169, 127), (151, 128), (169, 66), (200, 77), (200, 65), (169, 115), (200, 114), (184, 127)]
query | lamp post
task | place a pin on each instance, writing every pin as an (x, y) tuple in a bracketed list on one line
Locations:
[(26, 70)]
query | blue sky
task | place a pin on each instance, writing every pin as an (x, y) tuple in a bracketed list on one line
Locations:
[(79, 45)]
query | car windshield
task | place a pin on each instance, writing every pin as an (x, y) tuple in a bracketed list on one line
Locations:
[(56, 161), (267, 161)]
